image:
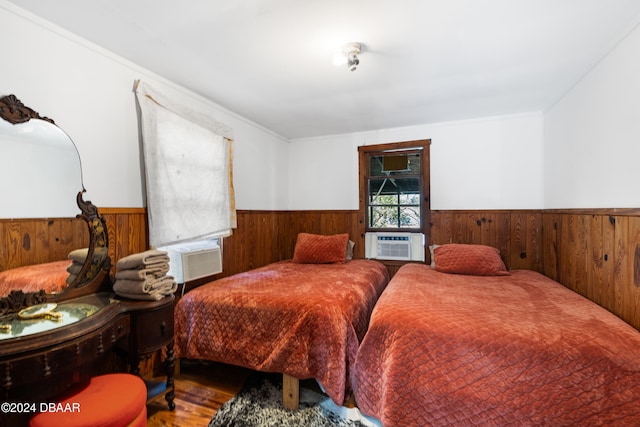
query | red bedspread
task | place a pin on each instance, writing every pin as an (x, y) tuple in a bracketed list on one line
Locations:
[(305, 320), (50, 276), (445, 349)]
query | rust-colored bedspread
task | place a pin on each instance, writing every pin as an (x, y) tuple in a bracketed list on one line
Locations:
[(50, 276), (305, 320), (446, 349)]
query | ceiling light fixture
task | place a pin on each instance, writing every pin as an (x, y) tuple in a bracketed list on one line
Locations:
[(352, 56), (349, 56)]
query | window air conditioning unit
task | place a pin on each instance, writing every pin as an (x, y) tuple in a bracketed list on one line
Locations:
[(395, 246), (193, 260)]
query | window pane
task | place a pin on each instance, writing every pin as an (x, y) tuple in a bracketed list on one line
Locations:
[(393, 186), (383, 217), (384, 200), (410, 199), (409, 217)]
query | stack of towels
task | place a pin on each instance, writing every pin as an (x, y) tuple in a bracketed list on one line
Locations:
[(78, 258), (144, 276)]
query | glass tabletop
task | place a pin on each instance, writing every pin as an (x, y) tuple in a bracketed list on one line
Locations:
[(65, 313)]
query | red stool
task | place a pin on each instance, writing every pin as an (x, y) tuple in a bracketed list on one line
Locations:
[(112, 400)]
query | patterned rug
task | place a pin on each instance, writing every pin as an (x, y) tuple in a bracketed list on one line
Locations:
[(259, 403)]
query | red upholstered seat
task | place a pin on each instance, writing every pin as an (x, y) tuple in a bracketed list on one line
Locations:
[(113, 400)]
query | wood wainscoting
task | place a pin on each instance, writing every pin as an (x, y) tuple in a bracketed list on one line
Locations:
[(34, 241), (517, 234), (38, 240), (128, 232), (262, 237), (595, 252)]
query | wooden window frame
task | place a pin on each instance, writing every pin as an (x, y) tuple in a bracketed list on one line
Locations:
[(364, 153)]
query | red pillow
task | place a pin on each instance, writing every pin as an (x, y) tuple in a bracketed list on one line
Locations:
[(474, 260), (318, 249)]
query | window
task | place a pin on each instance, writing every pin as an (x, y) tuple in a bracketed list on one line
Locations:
[(394, 186)]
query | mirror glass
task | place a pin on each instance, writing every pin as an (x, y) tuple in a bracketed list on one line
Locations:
[(43, 166), (51, 239)]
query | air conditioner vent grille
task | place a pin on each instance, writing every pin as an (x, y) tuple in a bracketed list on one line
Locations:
[(200, 264), (395, 251)]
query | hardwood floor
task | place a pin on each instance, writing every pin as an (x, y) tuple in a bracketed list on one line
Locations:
[(201, 389)]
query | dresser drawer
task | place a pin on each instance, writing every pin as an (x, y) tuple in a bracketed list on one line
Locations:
[(57, 367), (153, 328)]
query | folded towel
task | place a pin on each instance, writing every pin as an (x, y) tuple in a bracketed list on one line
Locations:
[(145, 286), (80, 255), (142, 290), (153, 264), (74, 268), (154, 296), (142, 259), (154, 271)]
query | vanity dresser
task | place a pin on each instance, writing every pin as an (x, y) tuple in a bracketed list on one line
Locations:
[(60, 322)]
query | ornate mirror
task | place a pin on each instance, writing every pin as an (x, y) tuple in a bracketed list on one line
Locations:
[(41, 190)]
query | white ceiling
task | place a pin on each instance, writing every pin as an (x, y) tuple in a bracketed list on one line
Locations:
[(424, 61)]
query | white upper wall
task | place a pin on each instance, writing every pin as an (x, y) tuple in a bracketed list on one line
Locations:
[(592, 136), (582, 153), (89, 93), (488, 163)]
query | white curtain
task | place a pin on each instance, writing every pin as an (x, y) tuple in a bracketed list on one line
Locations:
[(187, 159)]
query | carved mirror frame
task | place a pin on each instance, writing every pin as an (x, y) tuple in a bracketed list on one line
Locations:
[(94, 275)]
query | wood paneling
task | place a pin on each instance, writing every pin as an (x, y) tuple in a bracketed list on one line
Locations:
[(549, 264), (595, 252), (518, 234), (263, 237), (128, 232), (33, 241)]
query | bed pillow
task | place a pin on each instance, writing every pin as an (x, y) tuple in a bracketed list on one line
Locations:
[(319, 249), (475, 260)]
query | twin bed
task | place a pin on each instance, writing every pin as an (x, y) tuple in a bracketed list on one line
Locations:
[(304, 317), (464, 343), (491, 347)]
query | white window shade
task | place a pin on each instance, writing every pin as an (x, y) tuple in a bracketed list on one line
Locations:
[(187, 158)]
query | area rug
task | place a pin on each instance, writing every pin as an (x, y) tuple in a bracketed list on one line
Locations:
[(259, 403)]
